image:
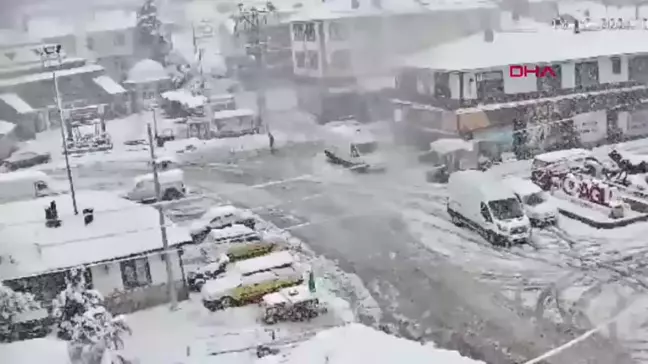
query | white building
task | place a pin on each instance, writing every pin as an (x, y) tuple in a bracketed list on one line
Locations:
[(147, 80), (122, 248), (471, 83)]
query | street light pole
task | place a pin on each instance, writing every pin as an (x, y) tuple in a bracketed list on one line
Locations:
[(173, 296), (50, 53), (251, 21)]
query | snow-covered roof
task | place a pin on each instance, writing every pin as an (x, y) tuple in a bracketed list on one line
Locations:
[(171, 176), (521, 186), (16, 103), (6, 128), (109, 85), (23, 175), (444, 146), (489, 186), (337, 9), (356, 343), (272, 260), (48, 75), (120, 228), (226, 114), (598, 10), (49, 26), (220, 211), (185, 97), (557, 155), (147, 70), (541, 46), (35, 351)]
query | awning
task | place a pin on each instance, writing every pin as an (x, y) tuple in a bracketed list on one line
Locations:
[(110, 86), (16, 103)]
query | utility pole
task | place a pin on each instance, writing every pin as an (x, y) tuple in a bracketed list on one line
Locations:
[(251, 21), (173, 296), (53, 53)]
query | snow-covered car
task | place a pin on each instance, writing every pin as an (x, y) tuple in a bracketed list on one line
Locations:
[(25, 159), (537, 205), (26, 185), (172, 187), (232, 234), (219, 217), (197, 278), (291, 304)]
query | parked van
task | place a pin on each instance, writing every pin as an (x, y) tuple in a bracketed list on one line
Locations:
[(171, 186), (536, 203), (480, 201), (25, 185)]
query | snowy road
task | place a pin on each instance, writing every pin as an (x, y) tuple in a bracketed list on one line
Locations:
[(392, 231)]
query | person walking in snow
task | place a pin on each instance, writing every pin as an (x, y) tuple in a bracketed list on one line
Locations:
[(271, 140)]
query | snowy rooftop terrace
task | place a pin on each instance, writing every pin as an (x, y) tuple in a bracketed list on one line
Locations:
[(120, 228), (541, 46), (336, 9)]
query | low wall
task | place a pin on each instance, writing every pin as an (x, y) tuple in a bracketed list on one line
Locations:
[(143, 297), (634, 204)]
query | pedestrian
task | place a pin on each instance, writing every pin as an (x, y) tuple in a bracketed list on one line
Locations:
[(271, 140)]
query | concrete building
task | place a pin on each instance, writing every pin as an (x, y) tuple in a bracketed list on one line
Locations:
[(147, 80)]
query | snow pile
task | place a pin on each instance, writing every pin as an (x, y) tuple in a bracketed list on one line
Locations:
[(356, 343), (185, 97), (444, 146), (35, 351)]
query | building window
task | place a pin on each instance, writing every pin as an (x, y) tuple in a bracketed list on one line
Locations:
[(638, 69), (119, 40), (341, 59), (136, 273), (549, 84), (309, 32), (300, 59), (338, 31), (616, 65), (490, 84), (312, 60), (90, 43), (299, 31), (442, 85), (587, 74)]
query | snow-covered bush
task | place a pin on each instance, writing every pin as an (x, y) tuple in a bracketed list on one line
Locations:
[(82, 319), (13, 303)]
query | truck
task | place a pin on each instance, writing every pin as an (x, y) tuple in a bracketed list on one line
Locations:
[(481, 202), (171, 186), (26, 185)]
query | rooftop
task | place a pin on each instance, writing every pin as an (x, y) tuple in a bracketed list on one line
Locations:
[(147, 70), (48, 75), (121, 228), (540, 46), (100, 21), (335, 9)]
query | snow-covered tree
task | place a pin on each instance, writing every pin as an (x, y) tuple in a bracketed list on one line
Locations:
[(13, 303), (149, 30), (83, 320)]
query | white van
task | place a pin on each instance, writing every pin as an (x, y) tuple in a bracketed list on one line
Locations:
[(537, 204), (25, 185), (171, 186), (485, 204)]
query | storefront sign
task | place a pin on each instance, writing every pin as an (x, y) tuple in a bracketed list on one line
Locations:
[(586, 189)]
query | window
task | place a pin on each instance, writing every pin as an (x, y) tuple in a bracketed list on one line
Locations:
[(442, 85), (534, 199), (119, 40), (490, 84), (90, 43), (312, 60), (587, 74), (338, 31), (309, 32), (299, 31), (341, 59), (485, 213), (638, 68), (136, 273), (506, 209), (300, 59), (616, 65), (548, 83)]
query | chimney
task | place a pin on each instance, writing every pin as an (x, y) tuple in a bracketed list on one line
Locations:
[(576, 27), (51, 216), (355, 4), (489, 36), (88, 215)]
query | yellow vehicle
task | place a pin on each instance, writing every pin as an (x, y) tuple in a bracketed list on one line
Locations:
[(239, 290), (248, 251)]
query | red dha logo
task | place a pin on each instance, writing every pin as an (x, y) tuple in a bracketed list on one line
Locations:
[(517, 71)]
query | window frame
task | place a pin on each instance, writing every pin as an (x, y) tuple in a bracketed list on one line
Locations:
[(300, 59), (139, 282), (616, 65)]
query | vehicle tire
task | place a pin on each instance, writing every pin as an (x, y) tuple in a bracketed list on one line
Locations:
[(171, 194), (227, 302), (211, 306)]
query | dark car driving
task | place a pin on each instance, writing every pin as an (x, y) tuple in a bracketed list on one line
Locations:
[(25, 159)]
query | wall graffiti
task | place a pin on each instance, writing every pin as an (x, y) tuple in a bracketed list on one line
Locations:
[(590, 190)]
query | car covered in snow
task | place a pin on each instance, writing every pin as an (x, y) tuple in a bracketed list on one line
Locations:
[(26, 185), (249, 280), (172, 187), (220, 217), (354, 148), (232, 234), (291, 304), (536, 203), (24, 159)]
